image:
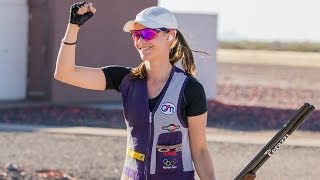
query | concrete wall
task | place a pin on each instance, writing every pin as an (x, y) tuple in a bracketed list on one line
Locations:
[(200, 31), (101, 42), (13, 49), (40, 44)]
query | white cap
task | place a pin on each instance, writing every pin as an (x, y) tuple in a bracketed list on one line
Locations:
[(153, 17)]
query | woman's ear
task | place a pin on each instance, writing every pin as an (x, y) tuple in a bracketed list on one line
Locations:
[(172, 34)]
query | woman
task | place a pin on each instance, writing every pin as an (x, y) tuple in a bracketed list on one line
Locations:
[(164, 107)]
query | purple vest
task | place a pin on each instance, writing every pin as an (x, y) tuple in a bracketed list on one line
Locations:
[(158, 141)]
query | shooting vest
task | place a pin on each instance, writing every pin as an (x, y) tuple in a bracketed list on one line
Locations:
[(158, 141)]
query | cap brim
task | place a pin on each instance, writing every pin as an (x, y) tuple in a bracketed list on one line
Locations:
[(129, 26)]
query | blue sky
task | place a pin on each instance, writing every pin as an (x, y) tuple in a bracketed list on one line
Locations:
[(286, 20)]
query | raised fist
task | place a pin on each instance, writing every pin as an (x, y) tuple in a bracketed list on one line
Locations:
[(80, 12)]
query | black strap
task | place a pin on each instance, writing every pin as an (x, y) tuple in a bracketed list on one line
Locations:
[(67, 43)]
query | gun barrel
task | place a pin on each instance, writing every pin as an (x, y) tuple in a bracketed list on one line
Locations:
[(274, 144)]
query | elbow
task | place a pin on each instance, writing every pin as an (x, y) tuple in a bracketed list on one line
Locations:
[(200, 152), (61, 73), (58, 76)]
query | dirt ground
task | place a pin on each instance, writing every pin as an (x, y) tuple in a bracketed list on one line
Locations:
[(264, 57), (293, 74), (101, 157), (269, 68)]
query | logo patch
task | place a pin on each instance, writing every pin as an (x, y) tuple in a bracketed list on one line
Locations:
[(170, 127), (168, 108), (169, 164), (170, 153)]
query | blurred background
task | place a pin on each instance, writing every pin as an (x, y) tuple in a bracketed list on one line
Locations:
[(264, 64)]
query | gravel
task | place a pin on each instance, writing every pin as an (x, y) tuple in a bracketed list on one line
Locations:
[(102, 157), (85, 157)]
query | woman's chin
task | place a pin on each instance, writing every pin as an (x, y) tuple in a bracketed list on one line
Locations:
[(145, 58), (146, 53)]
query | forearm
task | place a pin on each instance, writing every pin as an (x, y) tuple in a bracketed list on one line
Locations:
[(203, 164), (66, 56)]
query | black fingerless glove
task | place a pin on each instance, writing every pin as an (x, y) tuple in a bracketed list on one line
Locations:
[(78, 19)]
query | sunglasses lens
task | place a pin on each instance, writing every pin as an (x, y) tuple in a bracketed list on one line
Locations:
[(146, 34), (135, 35)]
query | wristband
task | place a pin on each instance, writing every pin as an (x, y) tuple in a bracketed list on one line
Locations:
[(67, 43)]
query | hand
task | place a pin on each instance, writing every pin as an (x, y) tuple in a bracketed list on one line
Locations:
[(80, 12)]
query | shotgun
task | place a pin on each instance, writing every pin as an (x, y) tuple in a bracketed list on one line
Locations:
[(249, 172)]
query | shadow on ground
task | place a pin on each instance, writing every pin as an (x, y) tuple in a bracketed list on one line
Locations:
[(251, 118), (234, 117)]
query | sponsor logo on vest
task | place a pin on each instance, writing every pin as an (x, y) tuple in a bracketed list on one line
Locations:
[(170, 127), (170, 153), (169, 164), (270, 152), (167, 108)]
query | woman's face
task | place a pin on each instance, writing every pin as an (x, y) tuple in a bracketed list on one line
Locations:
[(151, 50)]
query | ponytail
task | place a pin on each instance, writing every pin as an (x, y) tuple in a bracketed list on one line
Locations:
[(181, 51)]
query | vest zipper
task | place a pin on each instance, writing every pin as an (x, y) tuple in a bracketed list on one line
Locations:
[(149, 144)]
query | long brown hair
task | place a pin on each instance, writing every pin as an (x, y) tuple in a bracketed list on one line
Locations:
[(179, 50)]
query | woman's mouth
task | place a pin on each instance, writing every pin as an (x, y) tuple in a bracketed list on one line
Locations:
[(145, 48)]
